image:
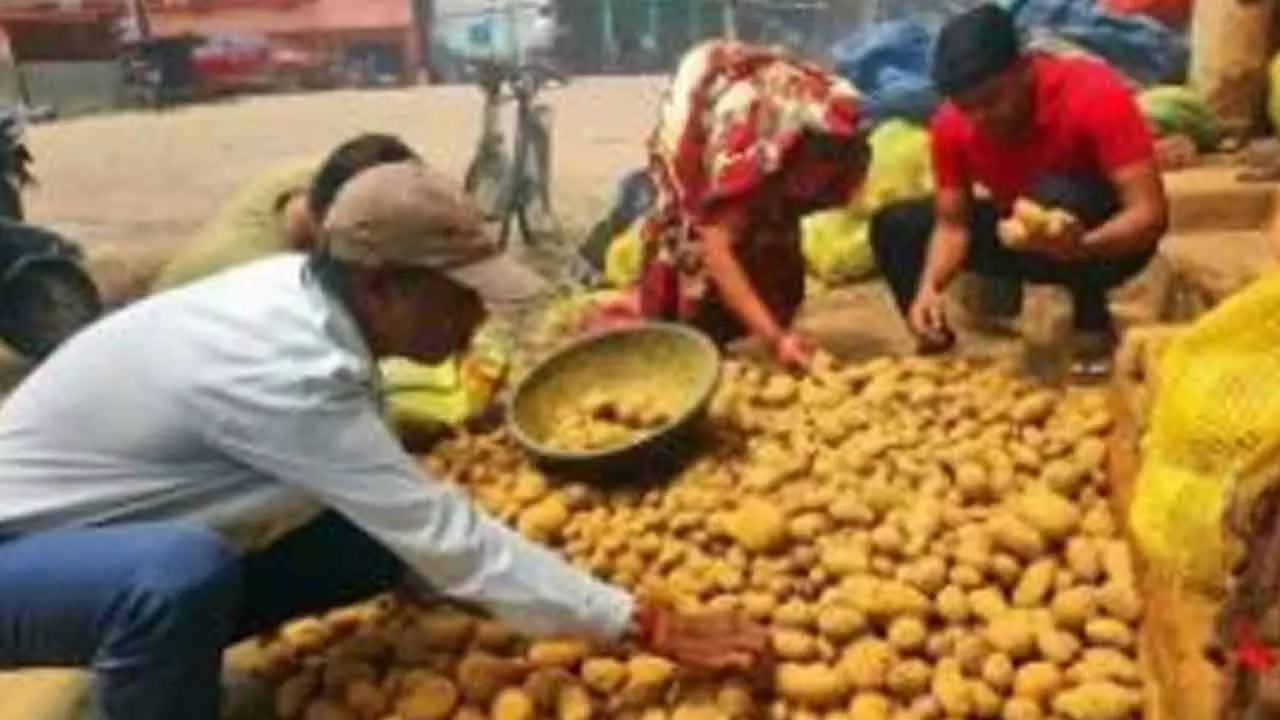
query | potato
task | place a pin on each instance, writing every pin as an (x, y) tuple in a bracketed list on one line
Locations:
[(1098, 522), (757, 526), (544, 521), (795, 645), (814, 685), (1011, 633), (928, 574), (758, 605), (840, 623), (808, 527), (952, 604), (545, 685), (866, 663), (365, 700), (494, 636), (294, 693), (481, 676), (513, 704), (604, 675), (998, 671), (648, 677), (1105, 665), (951, 690), (1057, 646), (986, 702), (1013, 233), (430, 697), (1052, 515), (907, 634), (1075, 607), (1097, 701), (870, 706), (567, 653), (909, 678), (967, 577), (1005, 569), (1109, 632), (1084, 559), (795, 614), (1033, 407), (323, 709), (988, 603), (1035, 584), (1121, 602), (1037, 681), (446, 631), (574, 703), (892, 598), (1021, 709), (1013, 534)]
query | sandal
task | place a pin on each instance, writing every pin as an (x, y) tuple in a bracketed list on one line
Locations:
[(1093, 357)]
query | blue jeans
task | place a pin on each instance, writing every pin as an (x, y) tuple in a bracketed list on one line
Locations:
[(150, 607)]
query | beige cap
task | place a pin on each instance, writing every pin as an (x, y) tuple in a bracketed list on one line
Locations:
[(403, 214)]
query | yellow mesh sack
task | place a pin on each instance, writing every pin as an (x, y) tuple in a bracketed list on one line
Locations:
[(1214, 433)]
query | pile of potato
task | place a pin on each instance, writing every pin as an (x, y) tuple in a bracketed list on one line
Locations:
[(605, 419), (925, 538)]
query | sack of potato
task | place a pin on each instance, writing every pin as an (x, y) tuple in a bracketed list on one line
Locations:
[(925, 538)]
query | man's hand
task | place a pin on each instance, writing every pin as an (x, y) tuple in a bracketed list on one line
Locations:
[(1062, 239), (713, 641), (928, 315)]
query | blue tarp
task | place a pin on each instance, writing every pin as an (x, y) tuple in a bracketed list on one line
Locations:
[(889, 61)]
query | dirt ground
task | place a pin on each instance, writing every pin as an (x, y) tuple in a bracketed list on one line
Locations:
[(135, 186)]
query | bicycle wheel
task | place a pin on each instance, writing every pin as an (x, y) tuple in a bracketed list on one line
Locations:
[(485, 182)]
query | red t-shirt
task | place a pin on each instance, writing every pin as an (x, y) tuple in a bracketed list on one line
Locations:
[(1086, 123)]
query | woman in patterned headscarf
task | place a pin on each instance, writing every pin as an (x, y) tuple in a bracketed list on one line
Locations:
[(749, 140)]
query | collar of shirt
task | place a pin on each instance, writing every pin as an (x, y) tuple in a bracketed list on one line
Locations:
[(342, 328)]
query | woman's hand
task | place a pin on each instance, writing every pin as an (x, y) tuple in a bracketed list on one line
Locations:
[(623, 311), (714, 641), (794, 351)]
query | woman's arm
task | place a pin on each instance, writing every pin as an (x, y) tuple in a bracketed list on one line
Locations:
[(735, 287)]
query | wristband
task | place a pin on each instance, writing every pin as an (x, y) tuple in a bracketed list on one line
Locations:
[(644, 624)]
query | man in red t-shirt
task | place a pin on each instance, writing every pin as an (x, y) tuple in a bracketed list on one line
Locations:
[(1062, 131)]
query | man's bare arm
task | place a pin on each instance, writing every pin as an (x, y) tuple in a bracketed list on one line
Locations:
[(949, 244), (1144, 213)]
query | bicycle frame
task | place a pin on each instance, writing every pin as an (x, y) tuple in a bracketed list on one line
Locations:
[(529, 172)]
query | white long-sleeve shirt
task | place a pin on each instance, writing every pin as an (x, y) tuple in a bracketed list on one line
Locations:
[(246, 402)]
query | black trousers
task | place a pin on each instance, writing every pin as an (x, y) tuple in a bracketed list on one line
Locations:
[(322, 565), (900, 235)]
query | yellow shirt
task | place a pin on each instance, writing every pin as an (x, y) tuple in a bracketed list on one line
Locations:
[(247, 228)]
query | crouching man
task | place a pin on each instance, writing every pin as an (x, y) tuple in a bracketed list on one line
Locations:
[(211, 461), (1062, 132)]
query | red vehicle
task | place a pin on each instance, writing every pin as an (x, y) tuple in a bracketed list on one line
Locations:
[(239, 63)]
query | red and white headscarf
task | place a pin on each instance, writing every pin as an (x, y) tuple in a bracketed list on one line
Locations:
[(729, 121)]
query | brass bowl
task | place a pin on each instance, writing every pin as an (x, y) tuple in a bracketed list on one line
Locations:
[(672, 360)]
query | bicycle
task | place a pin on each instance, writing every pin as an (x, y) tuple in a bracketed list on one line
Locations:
[(507, 187)]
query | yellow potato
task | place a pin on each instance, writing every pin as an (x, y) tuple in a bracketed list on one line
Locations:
[(812, 685), (604, 675), (567, 653), (513, 704)]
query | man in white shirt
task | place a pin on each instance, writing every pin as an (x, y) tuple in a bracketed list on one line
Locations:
[(163, 475)]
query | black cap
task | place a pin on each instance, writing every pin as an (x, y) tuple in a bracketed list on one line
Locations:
[(973, 47)]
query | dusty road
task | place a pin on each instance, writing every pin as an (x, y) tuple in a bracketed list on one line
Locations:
[(135, 186)]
